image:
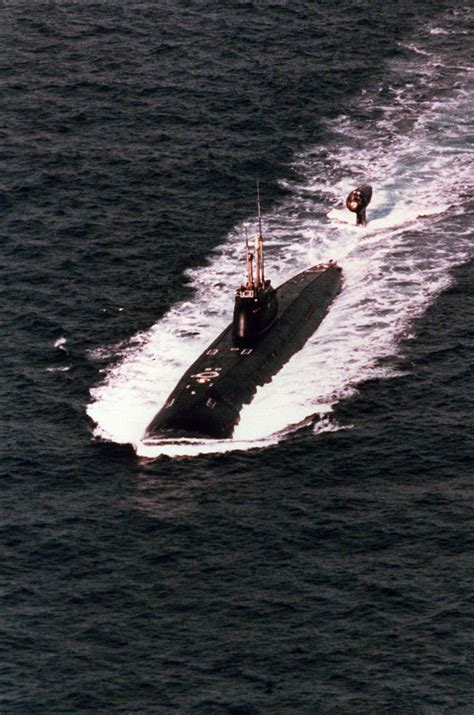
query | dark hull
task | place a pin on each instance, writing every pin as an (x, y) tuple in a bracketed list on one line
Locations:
[(210, 395)]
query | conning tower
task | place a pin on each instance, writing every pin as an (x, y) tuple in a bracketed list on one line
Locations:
[(256, 302)]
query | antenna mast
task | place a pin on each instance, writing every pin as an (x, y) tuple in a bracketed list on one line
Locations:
[(249, 261), (259, 242)]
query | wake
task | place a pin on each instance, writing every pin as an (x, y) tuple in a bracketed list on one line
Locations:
[(393, 269)]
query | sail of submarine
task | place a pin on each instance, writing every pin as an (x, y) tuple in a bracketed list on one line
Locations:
[(269, 325)]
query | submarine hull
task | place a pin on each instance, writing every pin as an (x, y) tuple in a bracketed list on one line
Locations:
[(209, 397)]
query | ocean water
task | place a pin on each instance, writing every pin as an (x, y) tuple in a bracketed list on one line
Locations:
[(320, 560)]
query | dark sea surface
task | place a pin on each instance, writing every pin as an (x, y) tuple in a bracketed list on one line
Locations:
[(321, 561)]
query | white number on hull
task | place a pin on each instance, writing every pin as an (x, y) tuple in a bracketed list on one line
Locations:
[(207, 374)]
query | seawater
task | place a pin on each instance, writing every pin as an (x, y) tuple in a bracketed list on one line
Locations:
[(320, 560)]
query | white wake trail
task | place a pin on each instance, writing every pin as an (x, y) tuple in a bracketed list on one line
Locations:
[(393, 269)]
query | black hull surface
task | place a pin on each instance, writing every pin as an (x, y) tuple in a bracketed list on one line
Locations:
[(209, 397)]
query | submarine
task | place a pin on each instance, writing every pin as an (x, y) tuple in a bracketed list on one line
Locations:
[(269, 325), (358, 200)]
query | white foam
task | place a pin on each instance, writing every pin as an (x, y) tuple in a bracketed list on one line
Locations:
[(60, 343), (393, 269)]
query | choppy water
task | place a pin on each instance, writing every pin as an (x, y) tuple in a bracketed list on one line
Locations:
[(320, 560)]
